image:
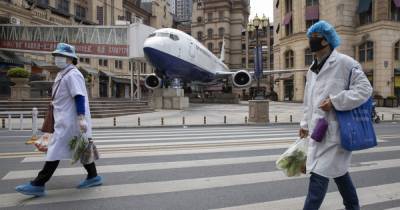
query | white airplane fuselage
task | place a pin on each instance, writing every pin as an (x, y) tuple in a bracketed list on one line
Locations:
[(175, 54)]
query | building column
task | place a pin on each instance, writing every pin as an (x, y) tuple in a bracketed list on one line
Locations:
[(383, 69), (281, 90), (298, 87)]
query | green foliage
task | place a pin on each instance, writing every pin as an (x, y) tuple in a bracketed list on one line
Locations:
[(18, 72), (391, 97)]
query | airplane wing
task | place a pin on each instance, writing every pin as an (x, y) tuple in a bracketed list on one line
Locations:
[(274, 71)]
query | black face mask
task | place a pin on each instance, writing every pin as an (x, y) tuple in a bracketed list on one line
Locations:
[(316, 44)]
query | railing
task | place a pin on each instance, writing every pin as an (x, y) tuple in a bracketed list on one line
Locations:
[(21, 114)]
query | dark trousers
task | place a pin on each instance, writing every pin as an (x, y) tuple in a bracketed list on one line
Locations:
[(50, 167), (319, 185)]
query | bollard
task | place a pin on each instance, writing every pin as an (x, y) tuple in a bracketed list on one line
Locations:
[(245, 119), (224, 119), (3, 123), (21, 121), (162, 120), (183, 120), (392, 116), (9, 122), (383, 117), (291, 118), (276, 118), (138, 121), (115, 121), (205, 120)]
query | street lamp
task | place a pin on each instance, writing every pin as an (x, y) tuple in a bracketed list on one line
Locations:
[(256, 25)]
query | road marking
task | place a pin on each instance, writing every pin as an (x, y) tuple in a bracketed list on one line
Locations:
[(189, 129), (112, 191), (333, 200)]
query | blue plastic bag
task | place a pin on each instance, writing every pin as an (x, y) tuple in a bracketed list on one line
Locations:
[(356, 129)]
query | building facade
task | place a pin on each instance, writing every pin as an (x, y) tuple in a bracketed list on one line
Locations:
[(184, 10), (86, 12), (216, 20), (369, 31)]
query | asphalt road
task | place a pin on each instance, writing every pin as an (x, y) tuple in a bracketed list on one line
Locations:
[(188, 168)]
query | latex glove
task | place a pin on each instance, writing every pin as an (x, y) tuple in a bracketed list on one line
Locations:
[(303, 133), (326, 105), (82, 123)]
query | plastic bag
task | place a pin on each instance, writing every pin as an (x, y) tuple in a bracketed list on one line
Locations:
[(293, 161), (90, 154), (77, 145), (43, 141)]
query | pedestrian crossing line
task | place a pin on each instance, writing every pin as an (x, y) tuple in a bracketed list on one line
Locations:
[(189, 129), (203, 151), (367, 196), (122, 190), (196, 135), (161, 138), (396, 208), (23, 174)]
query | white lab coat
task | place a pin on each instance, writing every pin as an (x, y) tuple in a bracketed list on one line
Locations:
[(65, 114), (328, 158)]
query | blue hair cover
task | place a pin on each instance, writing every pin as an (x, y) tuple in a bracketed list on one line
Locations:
[(327, 31)]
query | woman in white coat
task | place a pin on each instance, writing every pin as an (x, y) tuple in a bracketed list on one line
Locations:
[(326, 91), (71, 116)]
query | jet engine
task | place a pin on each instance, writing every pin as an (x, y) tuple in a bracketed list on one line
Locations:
[(152, 82), (241, 78)]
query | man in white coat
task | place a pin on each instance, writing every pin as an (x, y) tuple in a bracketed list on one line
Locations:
[(325, 92), (71, 116)]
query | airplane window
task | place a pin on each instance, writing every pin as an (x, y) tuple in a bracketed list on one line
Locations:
[(174, 37), (152, 34), (163, 34)]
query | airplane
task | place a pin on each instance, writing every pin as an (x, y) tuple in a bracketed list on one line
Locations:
[(178, 56)]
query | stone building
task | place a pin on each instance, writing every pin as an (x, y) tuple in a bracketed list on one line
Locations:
[(369, 30), (215, 20)]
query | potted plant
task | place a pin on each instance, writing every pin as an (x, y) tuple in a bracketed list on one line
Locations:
[(391, 101), (20, 77), (379, 100)]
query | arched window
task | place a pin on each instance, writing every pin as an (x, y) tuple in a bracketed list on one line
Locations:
[(210, 33), (199, 19), (210, 46), (397, 51), (221, 32), (199, 35), (366, 51), (308, 57), (289, 59)]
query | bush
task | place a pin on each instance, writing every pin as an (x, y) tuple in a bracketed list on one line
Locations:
[(18, 72), (377, 96), (391, 97)]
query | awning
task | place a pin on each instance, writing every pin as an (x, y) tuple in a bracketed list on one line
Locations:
[(312, 12), (364, 5), (285, 76), (121, 80), (397, 71), (89, 70), (287, 18), (107, 73), (397, 3), (11, 57)]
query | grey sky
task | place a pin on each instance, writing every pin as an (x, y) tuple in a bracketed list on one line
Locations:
[(261, 7)]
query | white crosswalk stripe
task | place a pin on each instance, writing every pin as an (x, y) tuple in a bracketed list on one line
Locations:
[(206, 148)]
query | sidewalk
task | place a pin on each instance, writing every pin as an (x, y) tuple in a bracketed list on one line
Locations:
[(214, 113)]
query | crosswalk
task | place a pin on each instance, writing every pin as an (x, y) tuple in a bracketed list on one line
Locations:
[(201, 168)]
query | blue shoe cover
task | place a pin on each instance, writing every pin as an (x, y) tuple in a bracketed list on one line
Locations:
[(95, 181), (29, 189)]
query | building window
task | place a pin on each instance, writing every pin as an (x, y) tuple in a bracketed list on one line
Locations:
[(366, 51), (309, 23), (128, 16), (199, 19), (288, 22), (364, 11), (200, 35), (84, 60), (80, 11), (308, 57), (395, 11), (289, 59), (210, 16), (100, 15), (210, 33), (397, 51), (289, 28), (277, 4), (243, 46), (288, 6), (118, 64), (277, 28), (63, 5), (312, 2), (221, 15), (221, 32), (103, 62), (210, 46), (43, 2)]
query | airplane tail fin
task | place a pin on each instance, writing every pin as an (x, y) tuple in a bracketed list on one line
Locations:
[(222, 56)]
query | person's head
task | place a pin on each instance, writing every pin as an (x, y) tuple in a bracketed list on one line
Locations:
[(64, 54), (322, 35)]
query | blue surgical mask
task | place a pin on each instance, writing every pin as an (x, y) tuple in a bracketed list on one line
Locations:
[(61, 62)]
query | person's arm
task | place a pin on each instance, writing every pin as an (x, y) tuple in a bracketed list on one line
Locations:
[(80, 104), (359, 91)]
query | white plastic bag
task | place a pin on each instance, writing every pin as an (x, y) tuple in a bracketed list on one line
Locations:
[(43, 141), (77, 145), (293, 161)]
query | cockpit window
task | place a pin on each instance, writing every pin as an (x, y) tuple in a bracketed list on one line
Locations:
[(152, 34), (163, 34), (174, 37)]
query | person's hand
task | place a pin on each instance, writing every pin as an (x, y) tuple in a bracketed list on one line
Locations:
[(326, 105), (303, 133), (82, 123), (40, 147)]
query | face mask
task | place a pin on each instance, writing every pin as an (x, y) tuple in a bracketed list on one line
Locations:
[(316, 44), (61, 62)]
